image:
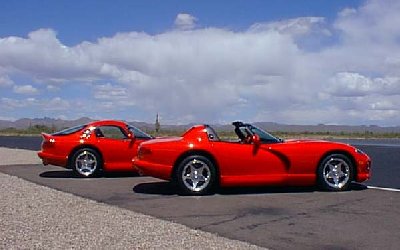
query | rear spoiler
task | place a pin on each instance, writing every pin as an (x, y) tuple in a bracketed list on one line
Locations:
[(46, 136)]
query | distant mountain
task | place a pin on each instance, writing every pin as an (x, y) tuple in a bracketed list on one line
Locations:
[(269, 126), (46, 121)]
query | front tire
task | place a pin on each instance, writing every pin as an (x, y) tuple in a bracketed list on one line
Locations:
[(86, 162), (196, 175), (335, 173)]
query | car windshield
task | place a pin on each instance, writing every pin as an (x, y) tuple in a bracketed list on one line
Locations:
[(264, 136), (71, 130), (139, 133)]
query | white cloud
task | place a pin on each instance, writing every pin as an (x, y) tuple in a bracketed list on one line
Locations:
[(55, 104), (5, 81), (213, 74), (25, 89), (42, 55), (295, 27), (110, 92), (185, 21), (355, 84), (8, 103)]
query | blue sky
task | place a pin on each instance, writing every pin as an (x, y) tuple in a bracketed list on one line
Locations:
[(77, 21), (296, 62)]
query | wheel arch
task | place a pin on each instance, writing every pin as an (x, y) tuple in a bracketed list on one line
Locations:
[(74, 150), (195, 152), (342, 152)]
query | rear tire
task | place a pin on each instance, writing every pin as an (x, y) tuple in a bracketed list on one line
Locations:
[(335, 173), (196, 175), (86, 162)]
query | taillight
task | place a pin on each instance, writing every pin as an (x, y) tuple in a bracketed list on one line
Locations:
[(48, 141), (143, 152)]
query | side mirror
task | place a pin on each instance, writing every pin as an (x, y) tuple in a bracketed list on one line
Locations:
[(256, 143), (256, 140), (131, 136)]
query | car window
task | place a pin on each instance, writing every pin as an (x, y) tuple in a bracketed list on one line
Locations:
[(138, 133), (113, 132), (69, 131), (212, 135), (265, 137)]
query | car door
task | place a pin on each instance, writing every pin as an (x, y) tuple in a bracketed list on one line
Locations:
[(250, 163), (116, 148)]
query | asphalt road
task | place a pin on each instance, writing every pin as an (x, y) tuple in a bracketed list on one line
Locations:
[(280, 218), (21, 142)]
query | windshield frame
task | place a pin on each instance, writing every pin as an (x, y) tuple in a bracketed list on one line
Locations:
[(138, 133), (265, 137)]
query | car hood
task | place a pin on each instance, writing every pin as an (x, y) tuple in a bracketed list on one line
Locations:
[(313, 141), (303, 140)]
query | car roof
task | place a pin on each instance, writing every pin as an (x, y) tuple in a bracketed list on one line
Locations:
[(107, 122)]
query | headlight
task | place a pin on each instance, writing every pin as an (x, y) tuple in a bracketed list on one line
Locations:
[(359, 151)]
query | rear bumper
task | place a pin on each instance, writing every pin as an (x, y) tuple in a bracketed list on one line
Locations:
[(152, 169), (53, 159)]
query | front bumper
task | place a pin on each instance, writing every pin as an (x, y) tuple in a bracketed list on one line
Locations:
[(364, 166)]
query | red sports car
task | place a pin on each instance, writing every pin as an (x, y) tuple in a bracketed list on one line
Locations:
[(199, 161), (87, 149)]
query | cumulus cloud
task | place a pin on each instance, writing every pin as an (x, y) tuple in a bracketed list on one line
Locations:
[(43, 56), (25, 89), (295, 27), (212, 74), (109, 92), (185, 21), (355, 84), (56, 104)]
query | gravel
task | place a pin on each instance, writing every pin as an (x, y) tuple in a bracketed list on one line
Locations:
[(38, 217)]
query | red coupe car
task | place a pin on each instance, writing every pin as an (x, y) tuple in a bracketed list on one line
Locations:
[(199, 161), (87, 149)]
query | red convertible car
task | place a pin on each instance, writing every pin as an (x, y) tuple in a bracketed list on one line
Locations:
[(199, 161), (90, 148)]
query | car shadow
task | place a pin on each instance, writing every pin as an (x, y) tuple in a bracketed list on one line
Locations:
[(167, 188), (281, 189), (157, 188), (72, 174)]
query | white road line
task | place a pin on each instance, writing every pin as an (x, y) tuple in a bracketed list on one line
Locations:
[(386, 189)]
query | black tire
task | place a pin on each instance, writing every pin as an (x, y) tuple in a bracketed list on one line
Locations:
[(196, 175), (335, 173), (86, 162)]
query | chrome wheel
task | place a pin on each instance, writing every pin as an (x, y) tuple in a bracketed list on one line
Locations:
[(86, 162), (336, 172), (196, 175)]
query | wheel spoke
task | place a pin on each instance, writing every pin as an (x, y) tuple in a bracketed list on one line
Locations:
[(336, 180), (202, 178), (194, 184), (331, 167)]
